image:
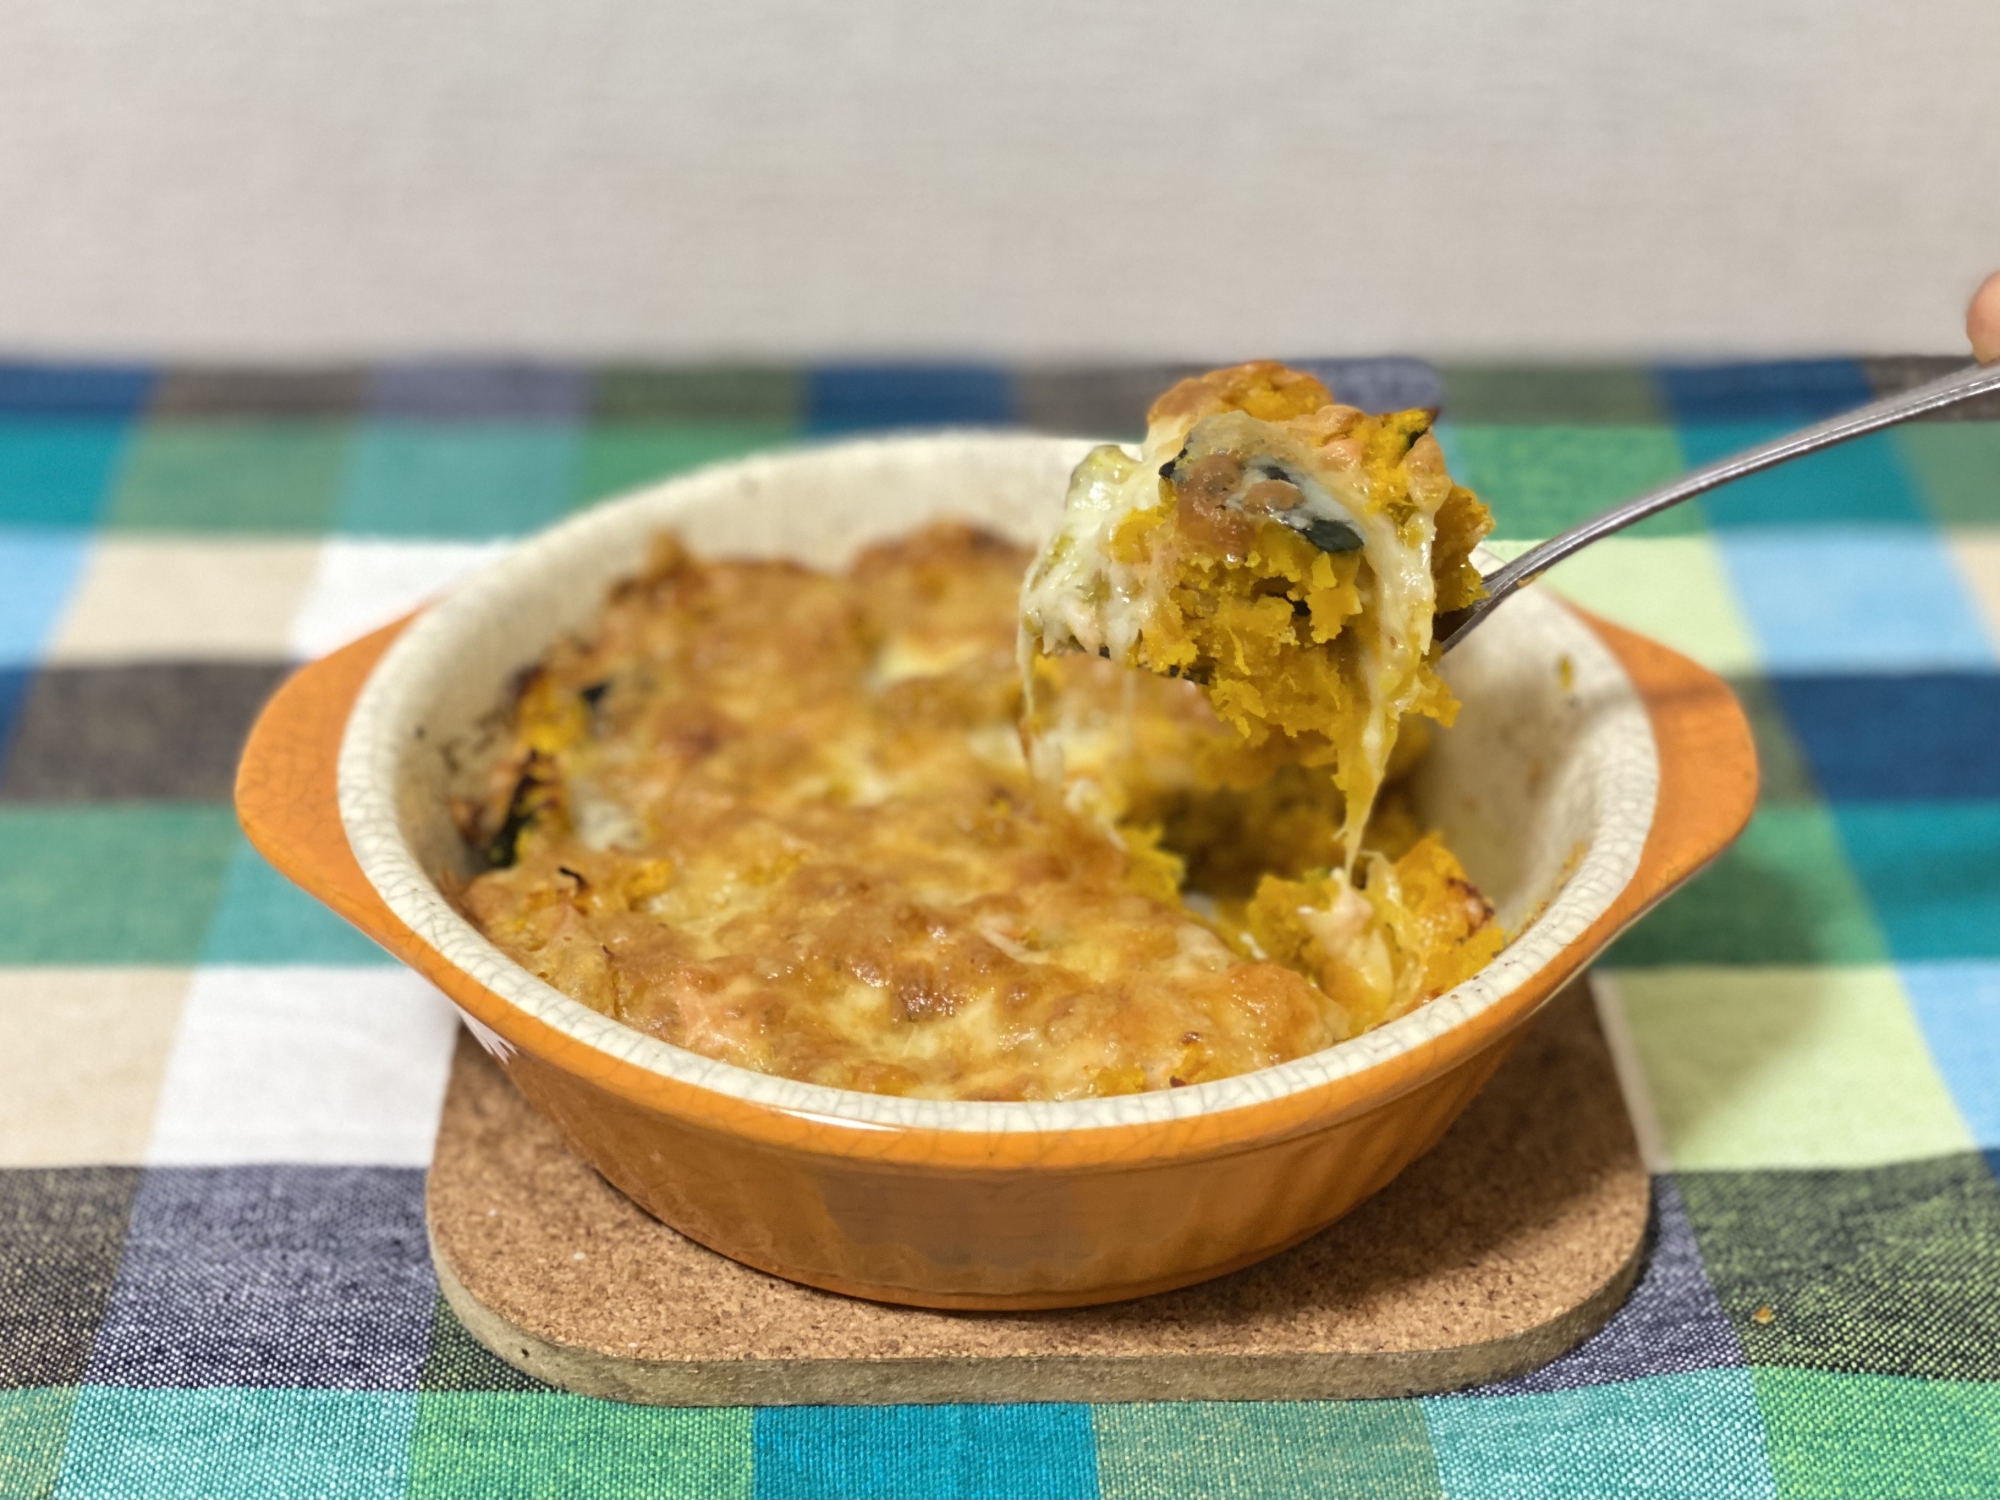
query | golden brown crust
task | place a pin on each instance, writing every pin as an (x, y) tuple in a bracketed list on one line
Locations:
[(841, 873), (781, 817), (1266, 389)]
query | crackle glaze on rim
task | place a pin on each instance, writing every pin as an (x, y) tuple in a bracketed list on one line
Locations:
[(557, 580)]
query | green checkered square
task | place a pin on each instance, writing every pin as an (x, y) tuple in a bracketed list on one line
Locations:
[(1774, 1067), (113, 883), (700, 395), (1871, 1436), (1784, 893), (494, 1445), (1302, 1448), (1549, 395), (1696, 1435), (1542, 480), (269, 475), (1891, 1270), (245, 1444), (624, 455), (1957, 469), (34, 1426)]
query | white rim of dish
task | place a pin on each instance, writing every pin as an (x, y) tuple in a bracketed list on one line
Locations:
[(391, 700)]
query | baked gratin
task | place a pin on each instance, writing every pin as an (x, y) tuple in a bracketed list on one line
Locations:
[(784, 817)]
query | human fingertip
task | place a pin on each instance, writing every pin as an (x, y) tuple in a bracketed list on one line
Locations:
[(1982, 321)]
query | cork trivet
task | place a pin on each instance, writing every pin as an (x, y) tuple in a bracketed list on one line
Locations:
[(1511, 1242)]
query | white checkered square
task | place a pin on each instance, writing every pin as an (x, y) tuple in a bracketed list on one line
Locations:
[(305, 1064)]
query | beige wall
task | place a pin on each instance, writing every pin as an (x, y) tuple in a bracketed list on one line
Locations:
[(299, 178)]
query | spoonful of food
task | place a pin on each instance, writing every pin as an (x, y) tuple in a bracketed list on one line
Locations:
[(1982, 324)]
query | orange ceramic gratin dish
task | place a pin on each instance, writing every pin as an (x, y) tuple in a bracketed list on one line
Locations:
[(1592, 772)]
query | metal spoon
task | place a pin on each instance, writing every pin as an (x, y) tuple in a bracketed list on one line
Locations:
[(1503, 582)]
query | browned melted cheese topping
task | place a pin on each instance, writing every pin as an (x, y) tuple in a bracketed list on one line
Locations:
[(782, 818)]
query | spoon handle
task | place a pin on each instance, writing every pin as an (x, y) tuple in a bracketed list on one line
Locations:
[(1961, 385)]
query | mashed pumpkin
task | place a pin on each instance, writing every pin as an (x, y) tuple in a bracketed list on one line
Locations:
[(783, 817)]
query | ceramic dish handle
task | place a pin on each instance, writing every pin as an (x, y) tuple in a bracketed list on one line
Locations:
[(287, 785), (288, 801), (1708, 765)]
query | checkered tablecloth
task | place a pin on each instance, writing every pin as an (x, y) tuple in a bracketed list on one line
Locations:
[(217, 1102)]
